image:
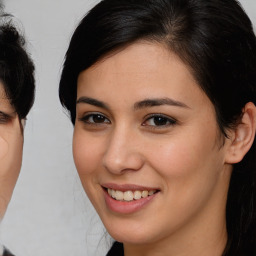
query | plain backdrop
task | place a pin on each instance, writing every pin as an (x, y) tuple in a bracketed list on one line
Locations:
[(49, 214)]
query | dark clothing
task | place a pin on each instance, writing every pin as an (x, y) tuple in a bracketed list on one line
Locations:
[(117, 249), (7, 253)]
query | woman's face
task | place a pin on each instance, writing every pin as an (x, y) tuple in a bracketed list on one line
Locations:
[(11, 143), (147, 147)]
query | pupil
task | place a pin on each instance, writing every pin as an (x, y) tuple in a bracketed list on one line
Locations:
[(160, 120), (98, 119)]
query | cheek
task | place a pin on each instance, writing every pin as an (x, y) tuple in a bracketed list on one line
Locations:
[(3, 148), (175, 158), (187, 161), (190, 172), (11, 156), (87, 158), (10, 162), (86, 153)]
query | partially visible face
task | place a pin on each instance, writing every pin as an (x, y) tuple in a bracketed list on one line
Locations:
[(11, 143), (146, 146)]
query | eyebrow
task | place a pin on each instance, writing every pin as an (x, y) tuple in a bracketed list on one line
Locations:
[(138, 105), (159, 102), (92, 101)]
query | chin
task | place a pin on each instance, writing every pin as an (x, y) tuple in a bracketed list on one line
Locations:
[(131, 233), (131, 239)]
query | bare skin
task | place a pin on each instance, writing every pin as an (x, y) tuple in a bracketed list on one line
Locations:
[(143, 122), (11, 144)]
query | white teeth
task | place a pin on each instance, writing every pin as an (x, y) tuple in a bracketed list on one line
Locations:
[(113, 193), (137, 195), (144, 193), (130, 195), (119, 195)]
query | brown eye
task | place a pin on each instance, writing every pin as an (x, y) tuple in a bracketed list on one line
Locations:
[(159, 120), (4, 118), (95, 119)]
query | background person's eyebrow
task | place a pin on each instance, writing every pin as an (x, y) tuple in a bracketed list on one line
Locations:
[(92, 101), (158, 102)]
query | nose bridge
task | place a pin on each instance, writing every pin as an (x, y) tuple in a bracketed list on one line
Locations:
[(122, 152)]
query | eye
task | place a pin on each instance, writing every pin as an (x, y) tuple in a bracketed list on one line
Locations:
[(4, 118), (95, 118), (159, 120)]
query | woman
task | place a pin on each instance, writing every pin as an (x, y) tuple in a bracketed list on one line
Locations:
[(162, 97), (17, 97)]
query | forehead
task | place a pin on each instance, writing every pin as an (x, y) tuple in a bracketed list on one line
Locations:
[(141, 68), (145, 55)]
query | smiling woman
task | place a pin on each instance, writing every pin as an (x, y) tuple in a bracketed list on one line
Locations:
[(161, 94)]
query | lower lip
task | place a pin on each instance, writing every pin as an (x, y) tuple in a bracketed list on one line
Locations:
[(126, 207)]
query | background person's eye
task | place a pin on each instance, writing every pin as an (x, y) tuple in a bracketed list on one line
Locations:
[(4, 118), (159, 120)]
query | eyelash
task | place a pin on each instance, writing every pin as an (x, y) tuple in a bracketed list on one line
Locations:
[(4, 118), (86, 118), (164, 120)]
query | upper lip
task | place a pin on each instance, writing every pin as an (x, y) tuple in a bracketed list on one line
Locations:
[(126, 187)]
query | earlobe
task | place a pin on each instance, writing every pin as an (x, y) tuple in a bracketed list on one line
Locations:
[(242, 135)]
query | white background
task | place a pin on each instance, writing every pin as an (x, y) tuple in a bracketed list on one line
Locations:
[(49, 214)]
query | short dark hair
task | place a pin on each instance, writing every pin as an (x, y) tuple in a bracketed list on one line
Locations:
[(215, 39), (16, 67)]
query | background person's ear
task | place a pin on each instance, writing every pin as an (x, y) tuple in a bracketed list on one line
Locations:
[(242, 136)]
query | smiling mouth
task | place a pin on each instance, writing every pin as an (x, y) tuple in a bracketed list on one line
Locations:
[(128, 196)]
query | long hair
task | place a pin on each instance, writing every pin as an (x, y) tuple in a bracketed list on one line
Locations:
[(215, 39)]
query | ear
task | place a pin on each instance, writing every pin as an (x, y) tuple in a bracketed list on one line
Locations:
[(242, 136)]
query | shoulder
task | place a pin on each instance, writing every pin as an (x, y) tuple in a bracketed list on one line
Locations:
[(117, 249)]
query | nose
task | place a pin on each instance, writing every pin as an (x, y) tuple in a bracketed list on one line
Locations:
[(123, 152)]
